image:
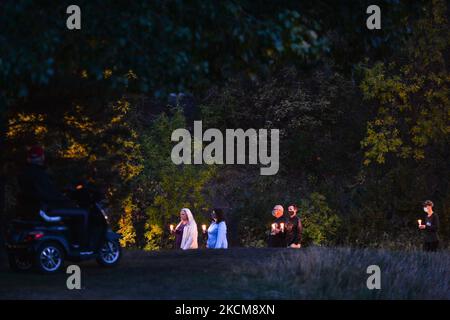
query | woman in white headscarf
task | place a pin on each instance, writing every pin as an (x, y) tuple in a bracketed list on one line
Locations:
[(189, 229)]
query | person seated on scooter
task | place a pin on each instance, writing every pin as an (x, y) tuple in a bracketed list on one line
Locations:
[(37, 189), (88, 196), (85, 194)]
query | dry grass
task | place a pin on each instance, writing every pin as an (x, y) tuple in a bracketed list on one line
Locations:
[(340, 273), (311, 273)]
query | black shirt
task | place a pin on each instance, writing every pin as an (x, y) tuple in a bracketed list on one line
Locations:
[(37, 188), (431, 228), (294, 231), (278, 240)]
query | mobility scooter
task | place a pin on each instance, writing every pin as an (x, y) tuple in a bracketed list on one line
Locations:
[(45, 243)]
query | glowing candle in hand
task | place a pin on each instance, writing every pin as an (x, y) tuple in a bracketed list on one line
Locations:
[(274, 225), (171, 227), (282, 227), (420, 222), (204, 228)]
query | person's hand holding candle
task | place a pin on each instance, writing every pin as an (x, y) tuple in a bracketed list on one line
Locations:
[(204, 228), (171, 228), (274, 228), (282, 227), (421, 226)]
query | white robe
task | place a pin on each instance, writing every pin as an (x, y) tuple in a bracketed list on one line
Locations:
[(190, 232)]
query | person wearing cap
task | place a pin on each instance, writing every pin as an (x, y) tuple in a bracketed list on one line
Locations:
[(294, 228), (430, 228), (277, 237), (36, 185), (37, 190)]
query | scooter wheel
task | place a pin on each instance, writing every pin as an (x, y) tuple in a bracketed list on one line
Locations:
[(109, 254), (20, 262), (49, 258)]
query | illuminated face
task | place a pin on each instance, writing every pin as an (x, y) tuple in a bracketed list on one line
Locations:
[(277, 212), (292, 210), (183, 216)]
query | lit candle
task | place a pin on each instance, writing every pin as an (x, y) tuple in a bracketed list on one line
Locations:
[(420, 222), (274, 226), (282, 227), (171, 227), (204, 228)]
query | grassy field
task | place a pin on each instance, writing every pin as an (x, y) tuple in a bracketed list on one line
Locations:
[(311, 273)]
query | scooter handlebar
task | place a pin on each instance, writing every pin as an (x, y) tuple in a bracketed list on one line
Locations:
[(49, 218)]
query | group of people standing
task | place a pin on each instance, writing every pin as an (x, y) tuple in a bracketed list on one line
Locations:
[(186, 232), (286, 231)]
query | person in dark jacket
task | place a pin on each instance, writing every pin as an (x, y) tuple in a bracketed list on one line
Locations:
[(37, 190), (294, 228), (36, 186), (430, 228), (277, 237)]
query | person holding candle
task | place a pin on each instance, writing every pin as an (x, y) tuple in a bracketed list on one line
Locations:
[(430, 227), (186, 231), (294, 228), (277, 237), (217, 231), (204, 236), (178, 231)]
